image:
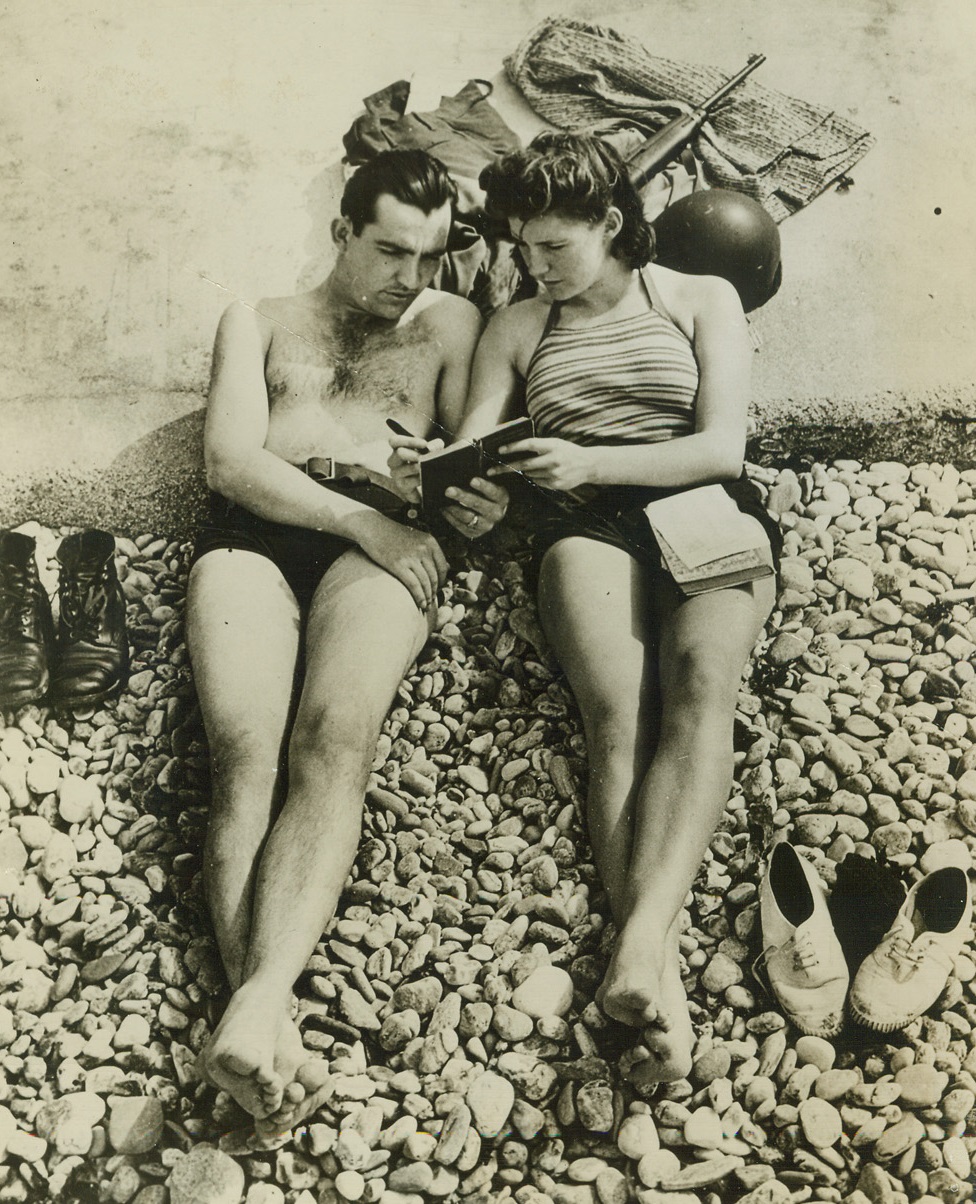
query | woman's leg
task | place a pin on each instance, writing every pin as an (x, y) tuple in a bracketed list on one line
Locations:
[(595, 608), (599, 612), (705, 644)]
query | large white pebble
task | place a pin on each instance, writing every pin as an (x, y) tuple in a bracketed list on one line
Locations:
[(821, 1123), (43, 771), (946, 852), (851, 575), (638, 1136), (78, 799), (548, 991), (490, 1098), (264, 1193), (350, 1185)]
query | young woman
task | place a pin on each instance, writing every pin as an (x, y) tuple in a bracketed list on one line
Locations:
[(638, 380)]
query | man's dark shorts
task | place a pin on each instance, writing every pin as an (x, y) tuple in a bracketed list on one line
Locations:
[(303, 556)]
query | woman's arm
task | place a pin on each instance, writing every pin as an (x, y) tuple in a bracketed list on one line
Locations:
[(494, 389), (710, 310), (496, 377)]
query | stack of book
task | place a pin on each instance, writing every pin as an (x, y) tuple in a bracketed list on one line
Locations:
[(706, 541)]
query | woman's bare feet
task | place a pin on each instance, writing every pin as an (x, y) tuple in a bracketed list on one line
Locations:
[(310, 1088), (631, 991), (240, 1056), (643, 988), (670, 1049)]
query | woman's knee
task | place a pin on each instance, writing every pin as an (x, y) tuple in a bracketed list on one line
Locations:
[(698, 683)]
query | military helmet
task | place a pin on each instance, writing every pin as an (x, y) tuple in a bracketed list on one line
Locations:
[(720, 232)]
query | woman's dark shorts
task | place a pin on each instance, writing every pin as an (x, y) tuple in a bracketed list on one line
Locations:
[(303, 556), (616, 517)]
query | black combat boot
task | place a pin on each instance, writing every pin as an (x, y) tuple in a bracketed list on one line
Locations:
[(26, 626), (93, 652)]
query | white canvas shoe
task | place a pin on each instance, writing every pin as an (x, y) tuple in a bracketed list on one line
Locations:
[(803, 957), (908, 971)]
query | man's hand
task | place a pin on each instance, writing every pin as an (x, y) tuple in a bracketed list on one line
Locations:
[(552, 463), (404, 463), (477, 509), (413, 557)]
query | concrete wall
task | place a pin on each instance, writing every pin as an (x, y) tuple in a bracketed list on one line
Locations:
[(164, 158)]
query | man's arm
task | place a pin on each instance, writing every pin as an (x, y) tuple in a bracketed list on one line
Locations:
[(240, 467)]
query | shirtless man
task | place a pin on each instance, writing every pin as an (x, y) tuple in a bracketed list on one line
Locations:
[(287, 562)]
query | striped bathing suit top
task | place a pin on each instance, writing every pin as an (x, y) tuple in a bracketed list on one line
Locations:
[(630, 380)]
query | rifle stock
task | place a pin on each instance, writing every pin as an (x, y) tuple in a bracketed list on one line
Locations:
[(668, 142)]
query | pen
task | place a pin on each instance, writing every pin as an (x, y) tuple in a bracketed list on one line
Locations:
[(398, 429)]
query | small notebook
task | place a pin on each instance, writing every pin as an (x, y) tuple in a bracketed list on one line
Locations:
[(706, 541)]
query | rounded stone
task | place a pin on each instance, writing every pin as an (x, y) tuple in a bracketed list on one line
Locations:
[(135, 1123), (921, 1085), (821, 1122), (638, 1136), (548, 991), (594, 1106), (206, 1176), (816, 1051), (490, 1098)]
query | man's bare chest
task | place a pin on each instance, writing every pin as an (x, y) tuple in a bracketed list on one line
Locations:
[(359, 372)]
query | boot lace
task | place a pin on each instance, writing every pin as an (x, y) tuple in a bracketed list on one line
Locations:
[(16, 600), (84, 598)]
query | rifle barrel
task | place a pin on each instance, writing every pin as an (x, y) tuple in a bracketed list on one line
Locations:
[(671, 138), (734, 82)]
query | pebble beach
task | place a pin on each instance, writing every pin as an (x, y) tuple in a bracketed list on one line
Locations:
[(463, 1057)]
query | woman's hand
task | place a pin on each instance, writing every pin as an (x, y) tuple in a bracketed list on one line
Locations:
[(477, 509), (552, 463), (404, 463), (413, 557)]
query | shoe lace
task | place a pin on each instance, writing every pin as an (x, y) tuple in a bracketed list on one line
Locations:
[(15, 599), (84, 597), (905, 952), (805, 956)]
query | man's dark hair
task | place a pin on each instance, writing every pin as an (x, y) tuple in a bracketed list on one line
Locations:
[(571, 175), (410, 176)]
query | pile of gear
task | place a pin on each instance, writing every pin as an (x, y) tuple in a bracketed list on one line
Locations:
[(718, 161)]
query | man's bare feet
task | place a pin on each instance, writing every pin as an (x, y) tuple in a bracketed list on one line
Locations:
[(240, 1056), (311, 1087)]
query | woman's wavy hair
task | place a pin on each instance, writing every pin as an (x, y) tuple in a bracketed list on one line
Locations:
[(572, 175)]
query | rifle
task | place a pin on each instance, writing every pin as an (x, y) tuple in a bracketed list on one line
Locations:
[(668, 142)]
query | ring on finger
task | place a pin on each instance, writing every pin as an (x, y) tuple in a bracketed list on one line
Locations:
[(473, 520)]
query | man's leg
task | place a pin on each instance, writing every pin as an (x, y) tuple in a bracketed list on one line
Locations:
[(364, 632), (242, 630)]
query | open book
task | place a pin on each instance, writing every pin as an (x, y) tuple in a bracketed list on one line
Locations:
[(707, 542), (460, 463)]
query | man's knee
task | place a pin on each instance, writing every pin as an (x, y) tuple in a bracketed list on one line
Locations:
[(243, 757), (338, 732)]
